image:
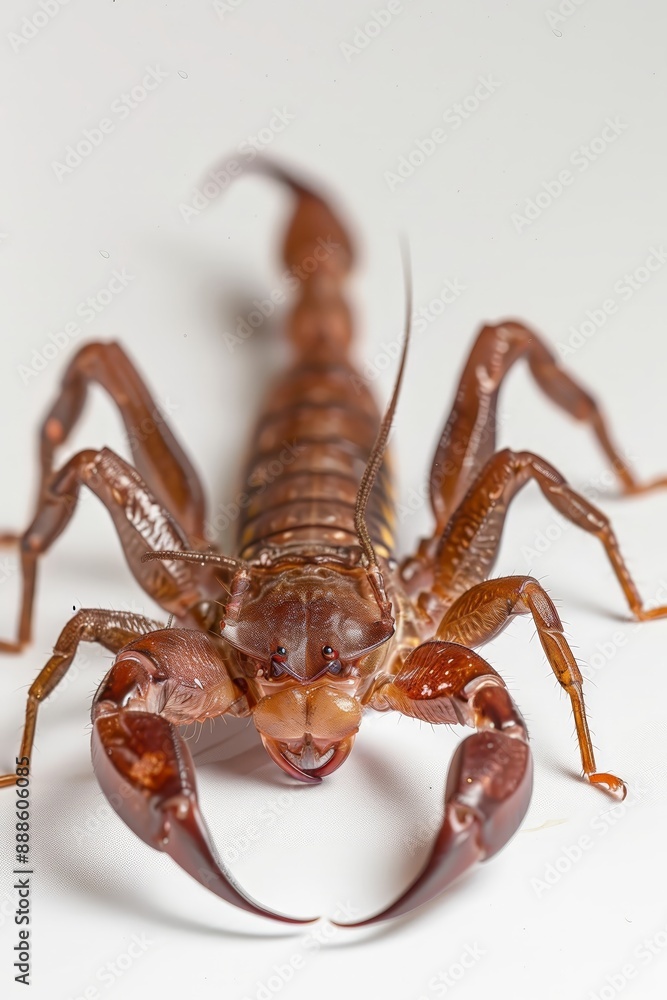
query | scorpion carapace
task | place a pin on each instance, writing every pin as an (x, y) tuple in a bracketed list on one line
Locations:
[(307, 635), (318, 620)]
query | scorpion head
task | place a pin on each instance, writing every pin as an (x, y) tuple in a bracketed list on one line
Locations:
[(310, 638)]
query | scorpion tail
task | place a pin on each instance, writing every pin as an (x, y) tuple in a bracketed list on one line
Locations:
[(316, 240), (318, 253)]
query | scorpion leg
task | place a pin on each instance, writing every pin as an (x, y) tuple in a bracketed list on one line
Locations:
[(141, 524), (142, 763), (490, 777), (111, 629), (469, 437), (484, 611), (156, 454), (469, 546)]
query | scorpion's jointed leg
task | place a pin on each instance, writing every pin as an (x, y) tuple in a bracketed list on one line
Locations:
[(469, 437), (490, 777), (141, 522), (144, 766), (112, 629), (469, 546), (156, 454), (484, 611)]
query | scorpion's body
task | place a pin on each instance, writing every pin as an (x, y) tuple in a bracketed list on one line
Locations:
[(313, 619), (311, 445)]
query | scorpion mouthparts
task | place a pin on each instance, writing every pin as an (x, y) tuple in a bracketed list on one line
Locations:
[(309, 765), (287, 765), (308, 759)]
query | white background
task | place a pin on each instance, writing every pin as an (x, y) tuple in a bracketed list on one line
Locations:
[(350, 841)]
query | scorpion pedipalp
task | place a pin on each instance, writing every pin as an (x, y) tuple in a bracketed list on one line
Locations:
[(490, 777), (168, 817), (143, 764)]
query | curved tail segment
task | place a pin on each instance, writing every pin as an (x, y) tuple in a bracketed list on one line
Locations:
[(319, 254)]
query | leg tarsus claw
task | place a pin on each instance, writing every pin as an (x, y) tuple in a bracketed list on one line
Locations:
[(610, 783)]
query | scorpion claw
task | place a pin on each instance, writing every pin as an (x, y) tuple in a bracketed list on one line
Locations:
[(145, 769), (186, 839), (456, 848), (487, 795)]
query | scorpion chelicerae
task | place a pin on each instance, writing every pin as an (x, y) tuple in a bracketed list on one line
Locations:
[(319, 620)]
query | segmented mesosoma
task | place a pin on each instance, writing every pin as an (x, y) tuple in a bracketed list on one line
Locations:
[(314, 620)]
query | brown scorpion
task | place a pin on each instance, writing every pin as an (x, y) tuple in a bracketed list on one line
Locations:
[(319, 621)]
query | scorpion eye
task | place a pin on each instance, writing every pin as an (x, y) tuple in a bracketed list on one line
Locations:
[(331, 654), (281, 651)]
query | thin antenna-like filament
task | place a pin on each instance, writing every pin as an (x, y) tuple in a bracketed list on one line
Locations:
[(184, 555), (377, 454)]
